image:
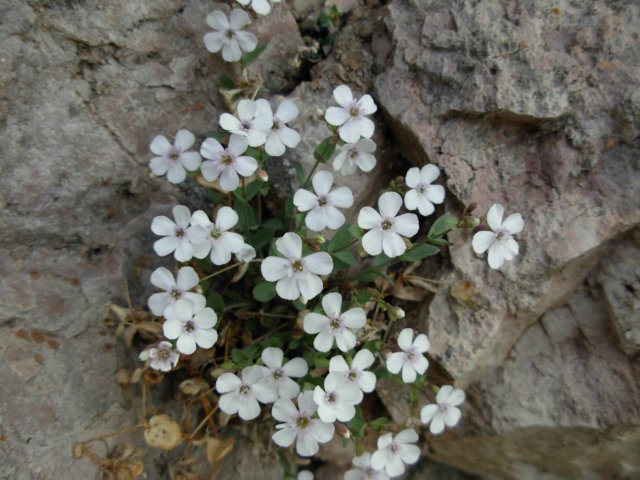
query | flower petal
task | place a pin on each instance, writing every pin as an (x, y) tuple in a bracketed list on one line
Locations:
[(343, 96), (184, 140), (482, 241), (287, 288), (341, 197), (338, 364), (322, 182), (363, 359), (310, 285), (421, 343), (372, 241), (406, 224), (304, 200), (428, 412), (272, 357), (496, 255), (238, 19), (394, 362), (287, 111), (393, 244), (274, 268), (160, 146), (314, 322), (163, 278), (368, 218), (354, 318), (284, 437), (494, 216), (319, 263), (336, 116), (290, 245), (332, 304), (389, 204), (217, 20), (405, 339), (247, 41), (296, 367), (513, 223)]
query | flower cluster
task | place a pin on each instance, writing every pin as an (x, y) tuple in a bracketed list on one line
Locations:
[(310, 340)]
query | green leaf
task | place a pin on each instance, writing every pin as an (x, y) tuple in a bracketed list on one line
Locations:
[(363, 297), (215, 196), (227, 82), (227, 366), (345, 257), (219, 136), (299, 171), (341, 239), (215, 301), (248, 58), (439, 241), (251, 190), (241, 358), (246, 215), (261, 237), (379, 260), (442, 225), (356, 231), (273, 224), (320, 361), (379, 423), (324, 151), (265, 291), (299, 305), (419, 252)]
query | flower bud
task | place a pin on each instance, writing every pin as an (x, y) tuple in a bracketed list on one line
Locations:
[(469, 222), (408, 243), (343, 430), (262, 175)]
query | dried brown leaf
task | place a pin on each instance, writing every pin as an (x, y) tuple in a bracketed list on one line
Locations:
[(463, 290), (136, 375), (137, 468), (123, 377), (217, 449), (193, 386), (78, 451), (129, 333), (163, 432)]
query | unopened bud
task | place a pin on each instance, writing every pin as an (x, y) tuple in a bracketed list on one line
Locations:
[(399, 313), (343, 430), (395, 313), (408, 243), (469, 222), (262, 175), (319, 239)]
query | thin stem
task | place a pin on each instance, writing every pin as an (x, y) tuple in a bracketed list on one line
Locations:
[(315, 165), (227, 268)]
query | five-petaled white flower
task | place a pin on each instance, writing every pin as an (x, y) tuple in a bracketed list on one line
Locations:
[(190, 326), (174, 289), (296, 274), (350, 115), (162, 355), (387, 228), (357, 373), (334, 325), (174, 160), (394, 452), (219, 243), (254, 121), (179, 236), (261, 7), (337, 400), (299, 425), (364, 470), (279, 375), (241, 395), (228, 35), (280, 136), (225, 164), (355, 155), (500, 242), (444, 411), (411, 360), (422, 194), (323, 205)]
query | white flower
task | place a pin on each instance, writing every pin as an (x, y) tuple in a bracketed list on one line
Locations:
[(337, 400), (355, 155), (304, 475), (241, 396), (254, 121), (227, 163), (279, 375), (261, 7), (350, 116), (394, 452), (229, 36), (299, 425), (322, 205), (423, 195), (411, 360), (174, 290), (190, 326), (220, 243), (357, 373), (179, 237), (296, 274), (387, 228), (446, 410), (281, 136), (364, 470), (162, 355), (500, 243), (174, 160), (246, 253), (334, 325)]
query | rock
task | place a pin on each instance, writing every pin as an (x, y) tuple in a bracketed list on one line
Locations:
[(619, 279), (503, 99)]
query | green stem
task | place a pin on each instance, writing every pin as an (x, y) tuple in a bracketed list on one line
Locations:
[(227, 268)]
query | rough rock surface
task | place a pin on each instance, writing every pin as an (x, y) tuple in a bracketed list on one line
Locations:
[(85, 87), (535, 106)]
